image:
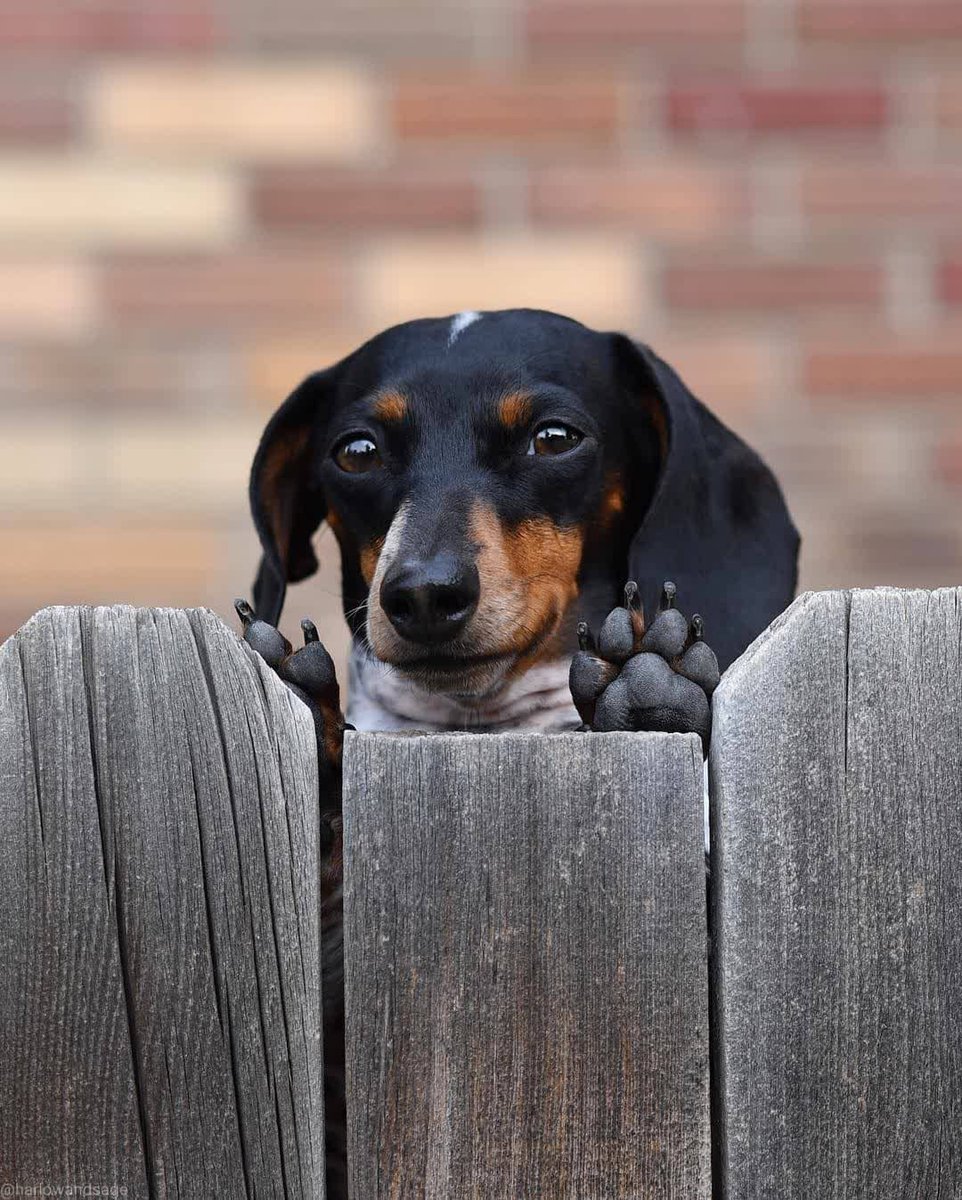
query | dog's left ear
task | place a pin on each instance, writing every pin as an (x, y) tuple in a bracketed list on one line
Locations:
[(717, 524), (286, 501)]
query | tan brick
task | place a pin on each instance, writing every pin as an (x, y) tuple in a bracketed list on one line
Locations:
[(852, 193), (295, 198), (250, 287), (283, 112), (276, 365), (75, 200), (741, 284), (161, 466), (41, 464), (530, 107), (46, 298), (63, 561), (127, 465), (674, 201), (596, 279), (730, 372)]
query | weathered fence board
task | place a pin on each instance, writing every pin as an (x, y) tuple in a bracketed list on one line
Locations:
[(525, 941), (837, 881), (160, 990)]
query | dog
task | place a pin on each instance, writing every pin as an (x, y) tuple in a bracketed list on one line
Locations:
[(493, 480)]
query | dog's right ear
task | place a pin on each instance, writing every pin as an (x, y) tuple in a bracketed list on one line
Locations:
[(286, 500)]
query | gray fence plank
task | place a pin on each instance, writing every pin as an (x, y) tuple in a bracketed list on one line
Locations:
[(160, 992), (526, 967), (837, 901)]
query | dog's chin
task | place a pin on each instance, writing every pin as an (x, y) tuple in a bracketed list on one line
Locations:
[(468, 679)]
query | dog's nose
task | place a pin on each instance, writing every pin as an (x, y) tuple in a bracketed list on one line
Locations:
[(430, 601)]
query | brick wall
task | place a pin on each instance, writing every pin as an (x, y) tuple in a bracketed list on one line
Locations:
[(202, 200)]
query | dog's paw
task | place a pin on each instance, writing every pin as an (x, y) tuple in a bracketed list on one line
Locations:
[(309, 673), (658, 678)]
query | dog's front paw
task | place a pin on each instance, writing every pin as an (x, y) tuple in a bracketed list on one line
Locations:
[(659, 679), (309, 673)]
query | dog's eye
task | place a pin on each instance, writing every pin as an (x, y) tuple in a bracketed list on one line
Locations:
[(554, 439), (357, 454)]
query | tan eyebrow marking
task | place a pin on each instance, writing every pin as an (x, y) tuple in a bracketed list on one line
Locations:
[(391, 407), (514, 410), (613, 501)]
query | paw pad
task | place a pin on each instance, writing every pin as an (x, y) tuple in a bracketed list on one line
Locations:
[(311, 667), (263, 639), (308, 671), (660, 678)]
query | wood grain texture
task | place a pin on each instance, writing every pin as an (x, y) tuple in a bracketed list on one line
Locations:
[(836, 771), (160, 991), (525, 937)]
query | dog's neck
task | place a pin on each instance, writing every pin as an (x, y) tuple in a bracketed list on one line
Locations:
[(381, 699)]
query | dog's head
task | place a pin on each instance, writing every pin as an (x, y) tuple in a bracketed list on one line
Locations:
[(493, 478)]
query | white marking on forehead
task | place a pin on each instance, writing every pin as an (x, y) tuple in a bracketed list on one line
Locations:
[(460, 323)]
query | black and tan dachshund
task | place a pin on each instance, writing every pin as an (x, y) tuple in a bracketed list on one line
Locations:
[(493, 480)]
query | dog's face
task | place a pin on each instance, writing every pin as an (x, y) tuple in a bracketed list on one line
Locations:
[(466, 488), (484, 477)]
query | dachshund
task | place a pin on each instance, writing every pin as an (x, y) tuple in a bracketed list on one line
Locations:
[(493, 480)]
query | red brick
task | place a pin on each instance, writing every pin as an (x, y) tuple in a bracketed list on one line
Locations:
[(40, 24), (776, 106), (895, 21), (418, 30), (882, 366), (949, 102), (948, 459), (155, 25), (854, 193), (740, 285), (125, 370), (902, 548), (36, 108), (530, 107), (950, 280), (675, 201), (315, 198), (613, 24), (104, 25), (243, 289)]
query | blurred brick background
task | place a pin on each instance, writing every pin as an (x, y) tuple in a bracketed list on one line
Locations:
[(201, 200)]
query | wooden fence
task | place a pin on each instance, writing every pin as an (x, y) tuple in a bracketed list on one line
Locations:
[(541, 1003)]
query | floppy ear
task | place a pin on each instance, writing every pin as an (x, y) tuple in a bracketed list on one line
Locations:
[(286, 502), (717, 524)]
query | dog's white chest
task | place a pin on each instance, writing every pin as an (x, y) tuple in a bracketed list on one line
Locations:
[(381, 699)]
